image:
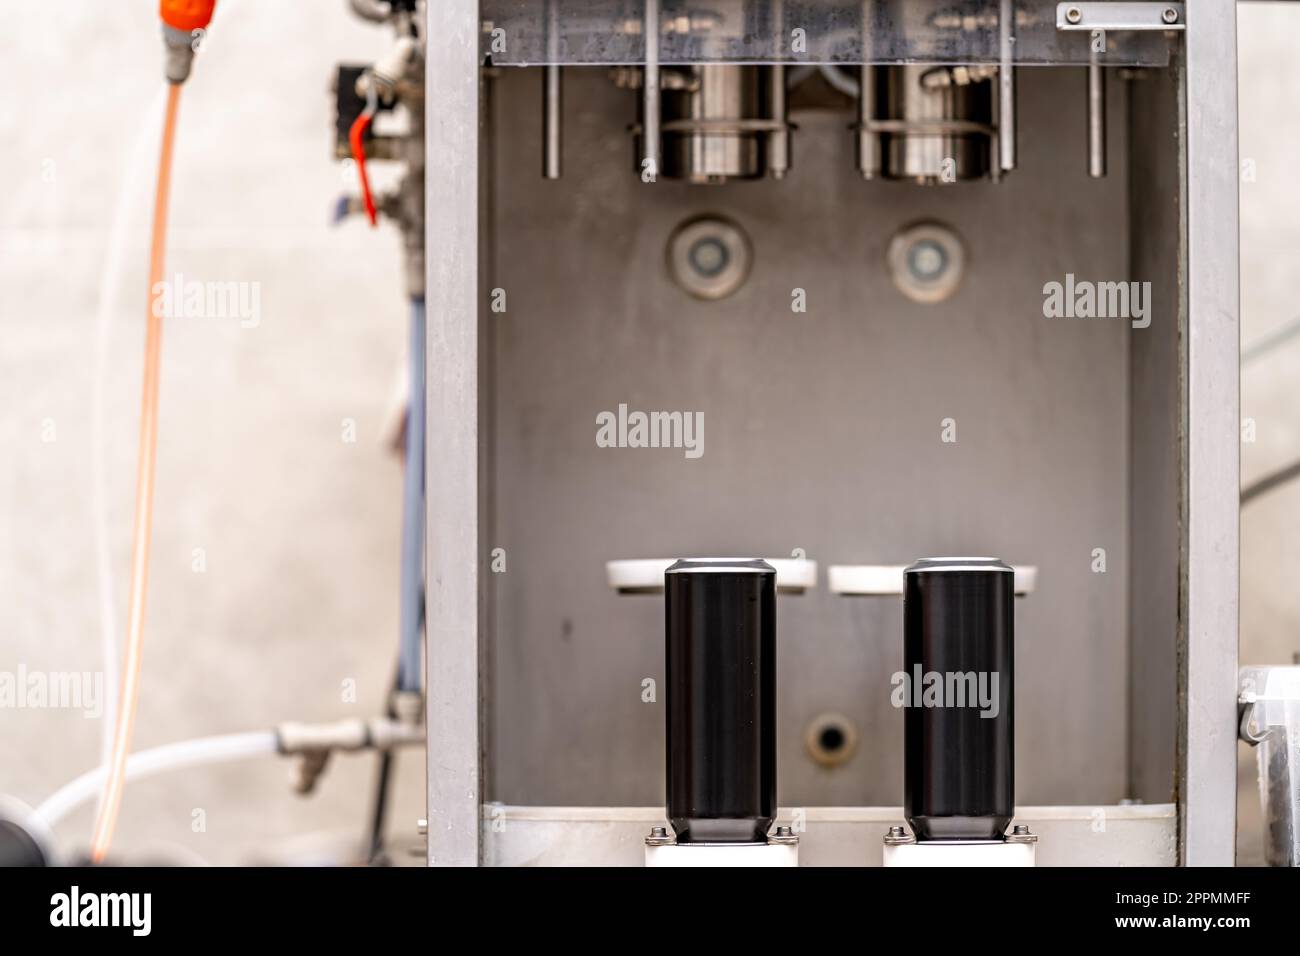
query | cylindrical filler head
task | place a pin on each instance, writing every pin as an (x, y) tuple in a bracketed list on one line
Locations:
[(721, 122), (721, 699), (959, 772), (925, 124)]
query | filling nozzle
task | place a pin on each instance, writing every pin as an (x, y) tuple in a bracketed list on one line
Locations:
[(180, 20)]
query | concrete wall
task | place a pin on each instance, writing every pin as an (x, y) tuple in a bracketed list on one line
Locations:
[(1269, 76)]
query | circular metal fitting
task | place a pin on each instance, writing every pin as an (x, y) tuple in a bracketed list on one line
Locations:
[(925, 125), (1073, 15), (709, 257), (926, 261), (831, 739), (1169, 15)]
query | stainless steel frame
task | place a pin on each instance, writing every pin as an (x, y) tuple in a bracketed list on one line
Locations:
[(457, 545)]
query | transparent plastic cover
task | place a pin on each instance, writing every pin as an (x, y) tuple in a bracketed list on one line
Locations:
[(534, 32)]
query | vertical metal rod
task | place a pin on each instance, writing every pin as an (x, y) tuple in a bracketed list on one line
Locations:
[(552, 97), (1007, 86), (552, 117), (650, 92), (995, 143), (1096, 119), (868, 144), (778, 141)]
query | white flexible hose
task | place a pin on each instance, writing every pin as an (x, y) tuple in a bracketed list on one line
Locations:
[(146, 763)]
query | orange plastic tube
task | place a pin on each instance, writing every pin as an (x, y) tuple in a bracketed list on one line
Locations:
[(356, 137), (129, 693)]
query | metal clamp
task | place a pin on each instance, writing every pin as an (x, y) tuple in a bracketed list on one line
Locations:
[(1248, 729), (899, 836), (1130, 17), (781, 836)]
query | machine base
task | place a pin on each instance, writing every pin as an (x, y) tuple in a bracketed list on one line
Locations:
[(722, 854), (960, 853)]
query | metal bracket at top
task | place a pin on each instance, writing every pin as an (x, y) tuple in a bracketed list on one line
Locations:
[(1119, 17)]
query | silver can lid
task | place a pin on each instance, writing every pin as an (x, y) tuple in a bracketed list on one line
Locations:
[(720, 566), (924, 565)]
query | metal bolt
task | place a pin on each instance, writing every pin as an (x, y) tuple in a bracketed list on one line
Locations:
[(897, 832), (1169, 15), (1073, 15), (422, 825), (659, 832), (784, 832), (1020, 829)]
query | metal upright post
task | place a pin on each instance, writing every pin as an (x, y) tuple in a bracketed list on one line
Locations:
[(452, 480), (1207, 760)]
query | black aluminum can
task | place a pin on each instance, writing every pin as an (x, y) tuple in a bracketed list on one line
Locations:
[(957, 690), (721, 699)]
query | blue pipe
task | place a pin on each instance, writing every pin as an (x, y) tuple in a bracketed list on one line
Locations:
[(411, 616)]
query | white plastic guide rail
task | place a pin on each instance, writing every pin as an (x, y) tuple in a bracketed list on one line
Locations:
[(646, 575), (882, 580)]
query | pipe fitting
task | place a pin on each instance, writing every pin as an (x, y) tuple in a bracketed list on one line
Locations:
[(376, 733), (179, 47), (408, 708), (372, 10), (315, 743), (393, 68)]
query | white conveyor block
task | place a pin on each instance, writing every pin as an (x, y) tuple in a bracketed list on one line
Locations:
[(722, 854), (879, 580), (953, 853)]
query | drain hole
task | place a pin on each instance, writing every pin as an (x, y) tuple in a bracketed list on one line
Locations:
[(831, 739)]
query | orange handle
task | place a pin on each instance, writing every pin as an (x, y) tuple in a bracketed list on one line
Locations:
[(186, 15)]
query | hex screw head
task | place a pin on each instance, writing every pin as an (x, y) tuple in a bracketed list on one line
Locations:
[(659, 833), (1169, 15), (784, 832), (897, 832), (1073, 15), (1020, 829)]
